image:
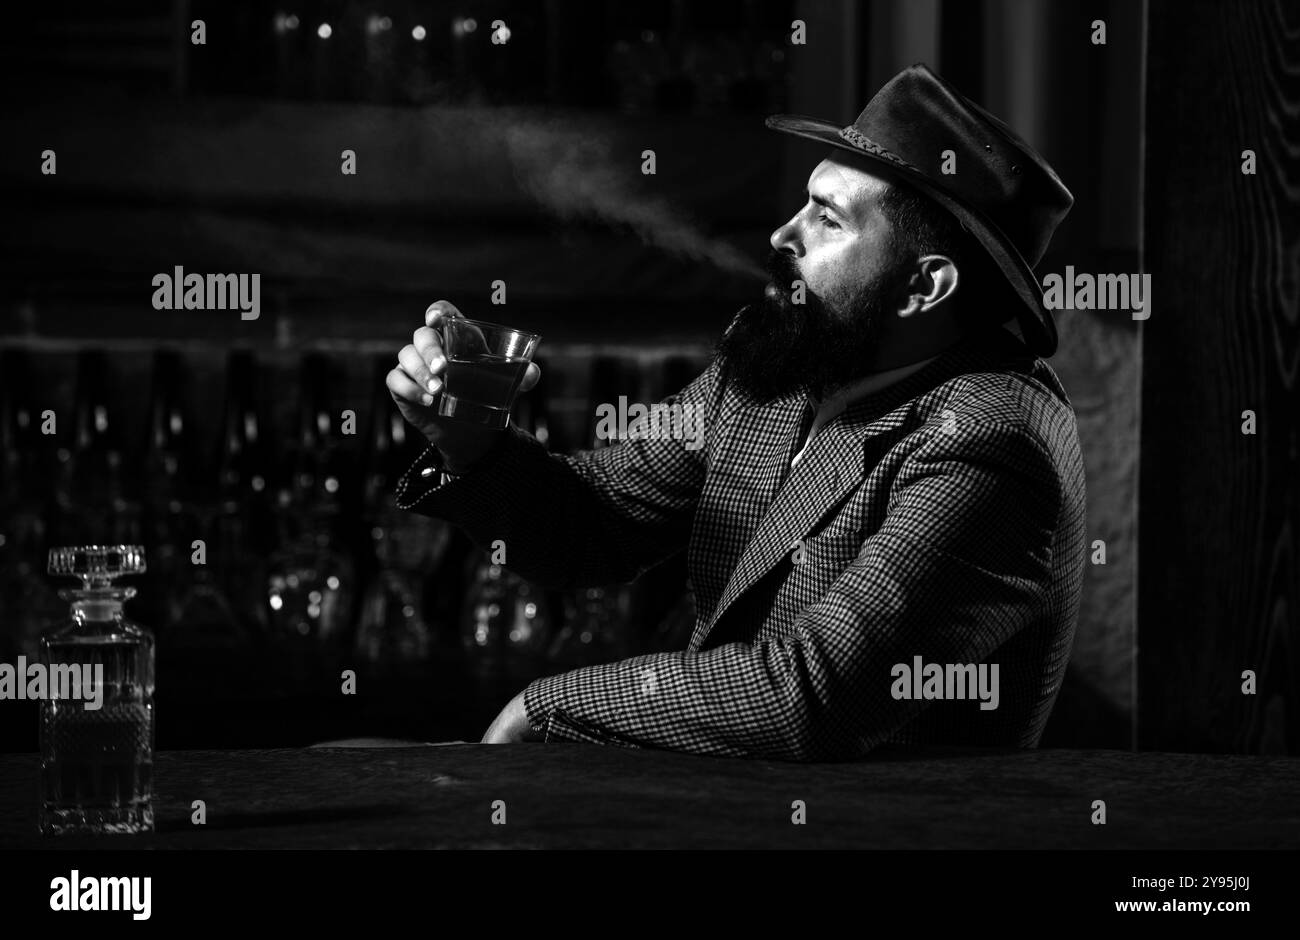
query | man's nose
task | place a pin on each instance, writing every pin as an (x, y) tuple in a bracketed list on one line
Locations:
[(786, 238)]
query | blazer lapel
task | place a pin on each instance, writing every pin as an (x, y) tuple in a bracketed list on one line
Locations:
[(832, 466), (743, 481), (836, 462)]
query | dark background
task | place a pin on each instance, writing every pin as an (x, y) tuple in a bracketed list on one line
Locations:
[(521, 162)]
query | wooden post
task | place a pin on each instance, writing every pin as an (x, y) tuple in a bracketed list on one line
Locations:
[(1219, 563)]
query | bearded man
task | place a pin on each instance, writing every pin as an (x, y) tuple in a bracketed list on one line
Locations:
[(889, 502)]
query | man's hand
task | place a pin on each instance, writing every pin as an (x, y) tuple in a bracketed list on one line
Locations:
[(416, 382), (511, 726)]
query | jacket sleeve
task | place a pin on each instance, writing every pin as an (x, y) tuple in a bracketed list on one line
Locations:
[(596, 517), (961, 563)]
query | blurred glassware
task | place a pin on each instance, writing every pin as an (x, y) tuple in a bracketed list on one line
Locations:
[(243, 525), (311, 574), (193, 610), (94, 503), (393, 632), (595, 620), (507, 625), (27, 602)]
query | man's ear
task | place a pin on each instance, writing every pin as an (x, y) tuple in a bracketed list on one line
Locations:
[(934, 281)]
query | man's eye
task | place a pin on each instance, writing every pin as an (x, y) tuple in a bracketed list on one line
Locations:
[(827, 220)]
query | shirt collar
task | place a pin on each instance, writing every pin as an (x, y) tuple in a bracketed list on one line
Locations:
[(845, 395), (884, 387)]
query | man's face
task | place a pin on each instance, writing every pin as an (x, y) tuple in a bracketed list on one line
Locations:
[(839, 245)]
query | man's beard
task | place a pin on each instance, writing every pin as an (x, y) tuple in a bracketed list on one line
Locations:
[(776, 346)]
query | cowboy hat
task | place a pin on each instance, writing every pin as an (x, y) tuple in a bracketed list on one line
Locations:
[(1000, 189)]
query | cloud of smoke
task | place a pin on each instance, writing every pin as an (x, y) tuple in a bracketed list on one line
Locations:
[(572, 173)]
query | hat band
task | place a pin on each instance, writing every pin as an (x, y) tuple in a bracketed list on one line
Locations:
[(862, 142)]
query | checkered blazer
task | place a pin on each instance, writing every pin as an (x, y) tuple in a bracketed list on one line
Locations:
[(941, 517)]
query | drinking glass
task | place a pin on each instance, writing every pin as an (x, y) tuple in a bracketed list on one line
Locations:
[(486, 363)]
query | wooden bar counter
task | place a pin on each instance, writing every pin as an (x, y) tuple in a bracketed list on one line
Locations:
[(583, 796)]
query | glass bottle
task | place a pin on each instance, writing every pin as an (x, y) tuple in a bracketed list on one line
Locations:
[(506, 625), (101, 505), (244, 531), (311, 576), (193, 610), (97, 750)]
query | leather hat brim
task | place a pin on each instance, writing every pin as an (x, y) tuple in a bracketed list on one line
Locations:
[(1035, 319)]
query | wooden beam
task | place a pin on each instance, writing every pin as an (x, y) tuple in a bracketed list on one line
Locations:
[(1219, 569)]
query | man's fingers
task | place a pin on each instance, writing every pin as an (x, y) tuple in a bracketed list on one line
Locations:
[(532, 375), (438, 311), (404, 387), (427, 343), (414, 365)]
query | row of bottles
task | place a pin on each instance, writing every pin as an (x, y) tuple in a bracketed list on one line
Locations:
[(288, 544)]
